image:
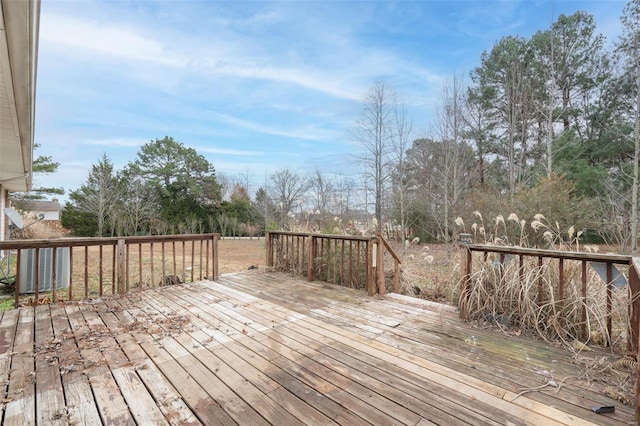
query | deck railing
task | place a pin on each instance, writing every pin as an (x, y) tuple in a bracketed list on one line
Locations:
[(98, 266), (350, 261), (557, 263)]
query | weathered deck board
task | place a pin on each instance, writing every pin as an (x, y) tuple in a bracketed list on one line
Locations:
[(432, 331), (490, 395), (262, 348), (50, 405), (80, 404), (21, 405)]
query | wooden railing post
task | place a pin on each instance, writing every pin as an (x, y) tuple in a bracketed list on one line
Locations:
[(634, 306), (465, 278), (268, 236), (121, 265), (633, 345), (311, 256)]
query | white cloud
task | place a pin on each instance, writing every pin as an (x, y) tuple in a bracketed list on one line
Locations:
[(105, 39), (224, 151), (309, 133), (121, 142)]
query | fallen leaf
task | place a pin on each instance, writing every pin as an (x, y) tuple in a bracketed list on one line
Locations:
[(579, 346)]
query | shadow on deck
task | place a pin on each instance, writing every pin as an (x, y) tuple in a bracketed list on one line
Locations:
[(265, 348)]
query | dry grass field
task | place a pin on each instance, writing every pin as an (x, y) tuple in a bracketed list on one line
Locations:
[(238, 255)]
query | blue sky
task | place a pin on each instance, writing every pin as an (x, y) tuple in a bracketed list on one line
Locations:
[(255, 86)]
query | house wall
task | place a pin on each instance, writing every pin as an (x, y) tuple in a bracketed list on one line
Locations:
[(4, 223), (48, 215)]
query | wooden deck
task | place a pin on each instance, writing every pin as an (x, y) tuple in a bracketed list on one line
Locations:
[(260, 348)]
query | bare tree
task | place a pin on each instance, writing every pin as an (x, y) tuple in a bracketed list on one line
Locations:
[(400, 142), (287, 189), (345, 188), (453, 172), (225, 185), (244, 179), (373, 132), (321, 191)]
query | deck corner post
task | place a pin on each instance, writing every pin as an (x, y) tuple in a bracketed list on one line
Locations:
[(465, 280), (121, 267)]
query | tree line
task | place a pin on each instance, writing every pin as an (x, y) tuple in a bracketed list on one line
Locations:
[(547, 124)]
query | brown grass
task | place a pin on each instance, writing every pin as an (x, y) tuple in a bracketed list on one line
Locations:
[(238, 255)]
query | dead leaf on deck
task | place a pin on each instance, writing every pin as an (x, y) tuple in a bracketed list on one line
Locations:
[(579, 346)]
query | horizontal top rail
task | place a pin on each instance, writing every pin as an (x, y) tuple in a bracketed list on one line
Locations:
[(332, 236), (556, 254), (99, 241), (390, 249)]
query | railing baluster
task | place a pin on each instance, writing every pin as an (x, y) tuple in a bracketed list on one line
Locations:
[(539, 280), (18, 278), (350, 264), (86, 272), (120, 263), (200, 262), (206, 257), (193, 255), (37, 275), (521, 269), (561, 281), (100, 274), (54, 282), (70, 272), (609, 299), (583, 282), (113, 270), (153, 278), (140, 264), (184, 261), (214, 252), (342, 264), (173, 253), (311, 253), (163, 279)]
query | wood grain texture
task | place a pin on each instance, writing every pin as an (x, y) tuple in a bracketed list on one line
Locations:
[(265, 348)]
